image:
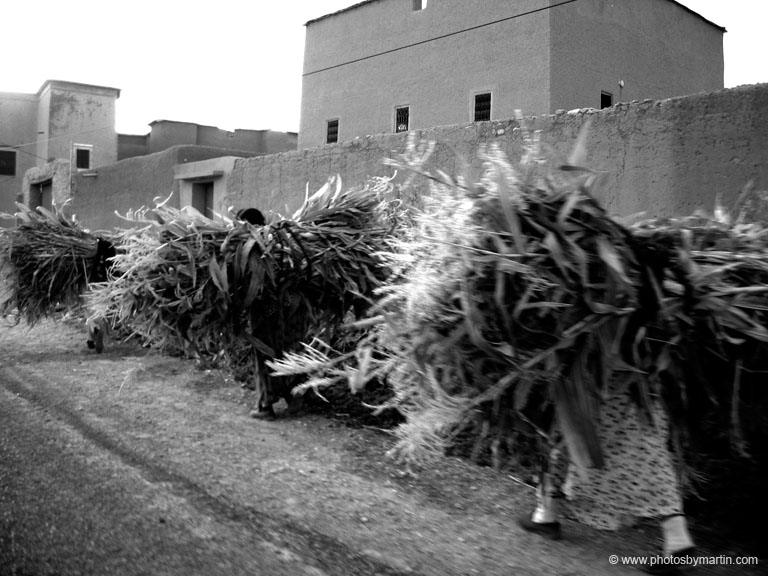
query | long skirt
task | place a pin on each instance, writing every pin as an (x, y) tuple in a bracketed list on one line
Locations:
[(639, 479)]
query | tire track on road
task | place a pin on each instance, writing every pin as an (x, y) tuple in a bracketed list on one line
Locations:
[(325, 554)]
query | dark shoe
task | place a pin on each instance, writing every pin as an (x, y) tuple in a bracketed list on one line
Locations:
[(549, 530), (669, 569), (261, 413)]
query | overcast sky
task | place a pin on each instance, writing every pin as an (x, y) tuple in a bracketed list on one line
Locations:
[(232, 63)]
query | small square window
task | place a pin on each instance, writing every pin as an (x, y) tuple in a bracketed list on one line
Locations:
[(7, 163), (332, 132), (419, 5), (82, 156), (402, 118), (606, 99), (483, 107), (83, 159)]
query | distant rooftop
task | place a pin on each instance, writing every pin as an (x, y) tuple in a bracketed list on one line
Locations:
[(66, 85), (166, 121)]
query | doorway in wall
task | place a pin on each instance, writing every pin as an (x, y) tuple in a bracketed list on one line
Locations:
[(202, 198), (41, 194)]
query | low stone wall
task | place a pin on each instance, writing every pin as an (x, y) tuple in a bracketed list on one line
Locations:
[(664, 158)]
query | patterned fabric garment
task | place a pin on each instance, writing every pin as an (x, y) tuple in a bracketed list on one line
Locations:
[(638, 479)]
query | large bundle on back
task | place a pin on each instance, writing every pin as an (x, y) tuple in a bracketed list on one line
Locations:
[(517, 297), (708, 339), (233, 291), (48, 260), (507, 294), (515, 306)]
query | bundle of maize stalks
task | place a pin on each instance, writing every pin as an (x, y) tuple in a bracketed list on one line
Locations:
[(517, 297), (227, 290), (506, 295), (48, 261), (708, 341)]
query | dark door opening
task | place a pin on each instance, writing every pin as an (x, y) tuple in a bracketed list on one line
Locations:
[(41, 194), (202, 198)]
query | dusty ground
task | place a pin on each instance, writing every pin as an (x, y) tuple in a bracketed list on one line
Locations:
[(164, 472)]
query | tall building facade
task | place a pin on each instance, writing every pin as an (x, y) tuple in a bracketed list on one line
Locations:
[(396, 65), (64, 126)]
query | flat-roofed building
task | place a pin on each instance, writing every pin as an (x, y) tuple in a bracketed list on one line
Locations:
[(397, 65), (65, 121)]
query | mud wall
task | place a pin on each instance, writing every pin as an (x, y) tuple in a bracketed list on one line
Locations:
[(131, 184), (666, 157)]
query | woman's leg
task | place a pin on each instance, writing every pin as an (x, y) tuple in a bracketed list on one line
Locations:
[(544, 520), (264, 394), (677, 539), (546, 502)]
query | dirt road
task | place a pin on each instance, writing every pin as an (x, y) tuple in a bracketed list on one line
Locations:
[(166, 473)]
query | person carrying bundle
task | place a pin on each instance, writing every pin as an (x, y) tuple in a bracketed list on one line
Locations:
[(99, 272), (638, 479), (262, 322)]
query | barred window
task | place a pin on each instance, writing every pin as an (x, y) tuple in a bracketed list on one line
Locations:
[(332, 132), (402, 119), (482, 107), (7, 162)]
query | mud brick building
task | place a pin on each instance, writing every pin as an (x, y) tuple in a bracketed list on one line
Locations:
[(397, 65)]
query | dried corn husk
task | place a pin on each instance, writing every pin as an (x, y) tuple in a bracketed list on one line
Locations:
[(226, 290), (517, 295), (48, 261)]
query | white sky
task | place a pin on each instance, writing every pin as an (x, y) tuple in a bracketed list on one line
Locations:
[(232, 63)]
